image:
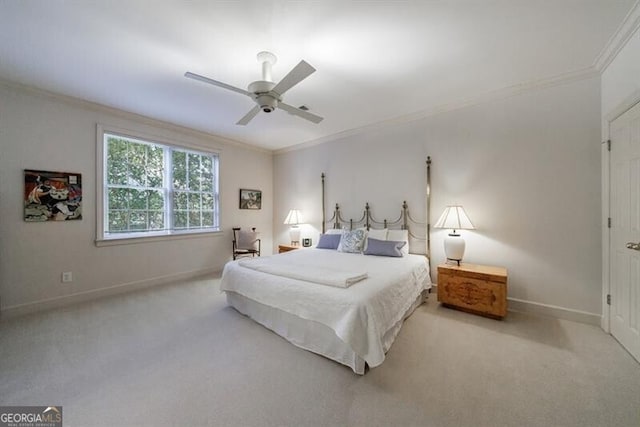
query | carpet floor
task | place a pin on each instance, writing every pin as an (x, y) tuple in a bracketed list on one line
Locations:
[(177, 355)]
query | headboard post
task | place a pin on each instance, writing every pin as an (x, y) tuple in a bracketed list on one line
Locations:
[(366, 212), (405, 224), (337, 216), (323, 215)]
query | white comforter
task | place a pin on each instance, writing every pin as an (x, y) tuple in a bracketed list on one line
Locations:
[(360, 314)]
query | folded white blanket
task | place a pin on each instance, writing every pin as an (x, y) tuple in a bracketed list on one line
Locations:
[(308, 273)]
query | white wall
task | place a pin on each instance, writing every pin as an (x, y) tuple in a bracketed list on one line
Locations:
[(621, 79), (40, 131), (526, 169)]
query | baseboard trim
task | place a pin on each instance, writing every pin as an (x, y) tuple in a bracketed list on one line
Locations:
[(554, 311), (66, 300), (524, 306)]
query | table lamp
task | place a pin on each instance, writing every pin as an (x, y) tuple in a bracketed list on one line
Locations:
[(293, 219), (455, 218)]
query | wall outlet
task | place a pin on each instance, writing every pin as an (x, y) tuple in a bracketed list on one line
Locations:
[(67, 277)]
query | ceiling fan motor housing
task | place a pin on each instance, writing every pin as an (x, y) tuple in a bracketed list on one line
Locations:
[(267, 103), (265, 100)]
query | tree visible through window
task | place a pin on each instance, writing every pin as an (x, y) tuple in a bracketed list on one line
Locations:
[(158, 189)]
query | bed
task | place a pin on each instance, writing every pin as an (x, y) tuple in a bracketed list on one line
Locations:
[(346, 305)]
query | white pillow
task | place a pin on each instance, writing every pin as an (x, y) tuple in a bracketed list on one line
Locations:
[(379, 234), (400, 236), (333, 231)]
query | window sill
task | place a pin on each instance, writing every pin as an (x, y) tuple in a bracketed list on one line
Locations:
[(157, 238)]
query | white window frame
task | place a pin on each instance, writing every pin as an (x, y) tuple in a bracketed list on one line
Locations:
[(147, 236)]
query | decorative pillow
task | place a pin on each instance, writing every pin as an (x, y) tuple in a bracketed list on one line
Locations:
[(400, 236), (380, 234), (384, 248), (329, 241), (352, 241), (247, 240)]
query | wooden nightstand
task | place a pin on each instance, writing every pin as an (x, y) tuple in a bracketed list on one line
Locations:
[(287, 248), (478, 289)]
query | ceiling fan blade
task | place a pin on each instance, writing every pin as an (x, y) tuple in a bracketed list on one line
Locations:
[(250, 115), (295, 76), (300, 113), (204, 79)]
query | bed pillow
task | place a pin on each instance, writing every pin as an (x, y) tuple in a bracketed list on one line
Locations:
[(380, 234), (334, 231), (352, 241), (400, 236), (329, 241), (384, 248)]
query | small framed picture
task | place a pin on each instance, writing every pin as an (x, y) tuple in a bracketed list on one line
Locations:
[(250, 199), (306, 242)]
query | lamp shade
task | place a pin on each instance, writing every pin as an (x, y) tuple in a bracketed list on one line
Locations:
[(455, 218), (294, 217)]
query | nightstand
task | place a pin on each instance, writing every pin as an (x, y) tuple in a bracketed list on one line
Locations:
[(478, 289), (287, 248)]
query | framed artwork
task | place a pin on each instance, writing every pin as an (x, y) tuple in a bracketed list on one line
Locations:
[(52, 196), (250, 199)]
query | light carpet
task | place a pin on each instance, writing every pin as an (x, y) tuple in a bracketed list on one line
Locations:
[(177, 355)]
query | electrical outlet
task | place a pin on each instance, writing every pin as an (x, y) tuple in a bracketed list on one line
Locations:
[(67, 277)]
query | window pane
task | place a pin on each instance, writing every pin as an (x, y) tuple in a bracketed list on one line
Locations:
[(207, 181), (138, 199), (138, 221), (207, 218), (194, 219), (179, 170), (118, 221), (180, 219), (156, 199), (194, 172), (194, 201), (155, 169), (116, 161), (207, 201), (137, 163), (118, 198), (156, 220), (180, 200)]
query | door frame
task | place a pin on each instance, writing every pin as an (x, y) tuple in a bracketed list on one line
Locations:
[(611, 116)]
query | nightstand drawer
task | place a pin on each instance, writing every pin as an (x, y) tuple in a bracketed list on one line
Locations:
[(474, 288)]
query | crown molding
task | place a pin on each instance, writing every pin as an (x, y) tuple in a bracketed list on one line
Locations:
[(127, 115), (619, 39), (483, 98)]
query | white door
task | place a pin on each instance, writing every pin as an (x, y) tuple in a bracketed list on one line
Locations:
[(624, 251)]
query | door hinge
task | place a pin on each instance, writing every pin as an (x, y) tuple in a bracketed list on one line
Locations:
[(608, 299), (609, 222)]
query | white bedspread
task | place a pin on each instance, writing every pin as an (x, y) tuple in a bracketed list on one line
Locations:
[(360, 314), (325, 275)]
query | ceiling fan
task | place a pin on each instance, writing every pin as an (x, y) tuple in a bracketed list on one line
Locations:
[(267, 94)]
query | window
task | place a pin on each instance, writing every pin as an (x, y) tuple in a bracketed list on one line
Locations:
[(152, 189)]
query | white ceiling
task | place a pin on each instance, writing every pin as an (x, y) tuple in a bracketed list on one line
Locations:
[(376, 60)]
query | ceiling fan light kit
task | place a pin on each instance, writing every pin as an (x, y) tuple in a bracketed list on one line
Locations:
[(267, 94)]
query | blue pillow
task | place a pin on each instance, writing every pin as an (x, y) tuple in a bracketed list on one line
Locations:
[(329, 241), (384, 248)]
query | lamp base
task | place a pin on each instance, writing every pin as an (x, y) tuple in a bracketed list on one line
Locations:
[(294, 234), (454, 246)]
